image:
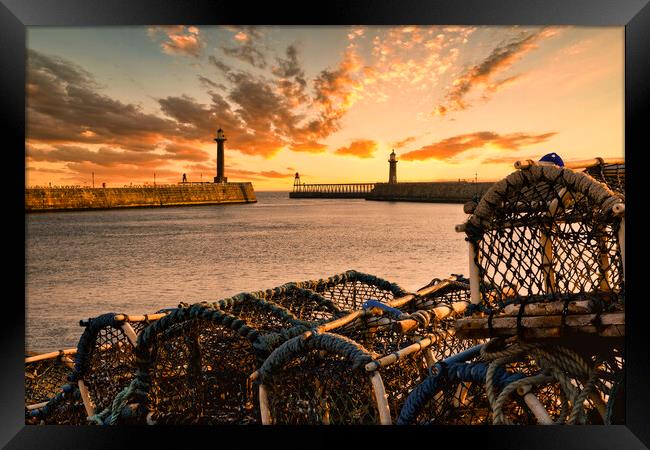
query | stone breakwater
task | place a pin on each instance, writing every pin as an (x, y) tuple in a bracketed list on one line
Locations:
[(438, 192), (72, 198)]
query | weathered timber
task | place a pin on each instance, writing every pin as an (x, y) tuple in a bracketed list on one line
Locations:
[(611, 324)]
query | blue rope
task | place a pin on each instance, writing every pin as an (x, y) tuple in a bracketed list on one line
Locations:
[(86, 342), (394, 312), (448, 373)]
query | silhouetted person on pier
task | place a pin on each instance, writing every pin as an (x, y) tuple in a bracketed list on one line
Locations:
[(184, 178)]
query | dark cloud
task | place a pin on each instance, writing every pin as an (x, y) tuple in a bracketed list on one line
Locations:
[(103, 157), (247, 48), (65, 106), (449, 148), (225, 68), (289, 67), (291, 76), (185, 153), (205, 81)]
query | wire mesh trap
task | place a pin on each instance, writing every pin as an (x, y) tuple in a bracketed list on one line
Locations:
[(326, 376), (319, 379), (545, 234), (518, 383), (351, 289), (194, 364), (45, 374)]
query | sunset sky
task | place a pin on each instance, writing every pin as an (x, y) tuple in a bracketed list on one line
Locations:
[(328, 102)]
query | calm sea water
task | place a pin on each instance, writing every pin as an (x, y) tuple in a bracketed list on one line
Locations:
[(136, 261)]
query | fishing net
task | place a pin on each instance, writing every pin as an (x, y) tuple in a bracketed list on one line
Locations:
[(194, 364), (105, 359), (65, 408), (45, 376), (380, 330), (520, 383), (351, 289), (305, 304), (446, 300), (544, 233), (318, 380)]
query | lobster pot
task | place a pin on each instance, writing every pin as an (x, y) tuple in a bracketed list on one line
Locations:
[(546, 233), (445, 301), (351, 289), (455, 396), (319, 380), (304, 304), (65, 408), (542, 383), (327, 378), (45, 374), (105, 359), (199, 374), (194, 364), (612, 174)]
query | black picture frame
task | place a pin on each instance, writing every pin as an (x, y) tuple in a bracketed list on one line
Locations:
[(16, 15)]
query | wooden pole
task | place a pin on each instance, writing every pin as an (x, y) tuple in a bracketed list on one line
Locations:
[(535, 405), (36, 406), (85, 397), (475, 295), (381, 398), (142, 318), (68, 351), (578, 164), (429, 357), (621, 243), (546, 243), (392, 357), (612, 325), (264, 406), (130, 333)]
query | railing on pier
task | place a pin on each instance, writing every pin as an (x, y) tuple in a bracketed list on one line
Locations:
[(330, 190)]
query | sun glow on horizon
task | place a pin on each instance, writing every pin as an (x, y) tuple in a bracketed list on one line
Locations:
[(331, 103)]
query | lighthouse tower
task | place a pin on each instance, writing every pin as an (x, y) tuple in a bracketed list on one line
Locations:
[(392, 172), (220, 139)]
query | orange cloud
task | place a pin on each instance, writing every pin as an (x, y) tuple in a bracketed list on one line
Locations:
[(403, 142), (362, 148), (455, 145), (501, 58), (309, 147), (180, 40)]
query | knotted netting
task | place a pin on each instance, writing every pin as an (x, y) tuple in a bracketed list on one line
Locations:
[(446, 300), (403, 343), (45, 374), (546, 233), (318, 379), (65, 408), (105, 359), (351, 289), (306, 304), (512, 382), (194, 364), (612, 174)]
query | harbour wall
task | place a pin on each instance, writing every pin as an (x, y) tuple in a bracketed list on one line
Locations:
[(435, 192), (79, 198)]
